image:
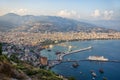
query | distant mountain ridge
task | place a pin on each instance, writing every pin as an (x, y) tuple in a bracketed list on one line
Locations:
[(31, 23), (111, 24)]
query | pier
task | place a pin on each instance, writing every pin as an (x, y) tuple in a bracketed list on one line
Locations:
[(60, 56), (79, 50)]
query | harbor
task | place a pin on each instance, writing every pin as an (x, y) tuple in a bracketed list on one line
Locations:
[(60, 56), (98, 59)]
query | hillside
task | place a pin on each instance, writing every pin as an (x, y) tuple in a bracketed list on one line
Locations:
[(13, 69), (10, 70), (31, 23)]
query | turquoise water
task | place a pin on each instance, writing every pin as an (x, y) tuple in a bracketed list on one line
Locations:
[(108, 48)]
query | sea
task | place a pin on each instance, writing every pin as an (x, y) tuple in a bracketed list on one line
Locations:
[(108, 48)]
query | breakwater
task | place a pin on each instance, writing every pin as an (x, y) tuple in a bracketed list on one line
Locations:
[(60, 56)]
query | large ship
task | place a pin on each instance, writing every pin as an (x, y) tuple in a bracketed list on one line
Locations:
[(98, 58)]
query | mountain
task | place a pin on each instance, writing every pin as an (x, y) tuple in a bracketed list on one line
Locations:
[(111, 24), (31, 23), (8, 21)]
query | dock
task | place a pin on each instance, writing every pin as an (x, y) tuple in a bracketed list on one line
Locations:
[(75, 51), (83, 49)]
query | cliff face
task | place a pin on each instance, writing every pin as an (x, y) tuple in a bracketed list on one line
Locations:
[(8, 71)]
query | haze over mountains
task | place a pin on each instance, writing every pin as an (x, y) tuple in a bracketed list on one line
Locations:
[(31, 23), (111, 24)]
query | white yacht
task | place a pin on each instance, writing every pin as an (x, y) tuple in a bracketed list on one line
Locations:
[(99, 58)]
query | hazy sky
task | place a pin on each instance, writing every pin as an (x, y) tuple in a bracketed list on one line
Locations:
[(77, 9)]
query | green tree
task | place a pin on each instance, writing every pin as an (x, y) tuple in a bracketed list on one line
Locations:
[(14, 58), (0, 48)]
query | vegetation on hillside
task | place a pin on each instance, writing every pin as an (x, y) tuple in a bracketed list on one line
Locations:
[(12, 68), (8, 70), (0, 48)]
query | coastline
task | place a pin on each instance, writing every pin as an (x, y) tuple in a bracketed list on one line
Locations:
[(26, 38)]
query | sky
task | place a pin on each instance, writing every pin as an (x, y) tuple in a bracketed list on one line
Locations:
[(76, 9)]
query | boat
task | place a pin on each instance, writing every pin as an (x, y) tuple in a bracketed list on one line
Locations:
[(49, 50), (97, 58), (93, 78), (93, 74), (75, 65), (57, 53), (80, 72), (101, 71)]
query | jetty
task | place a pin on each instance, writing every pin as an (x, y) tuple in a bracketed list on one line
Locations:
[(60, 56), (83, 49)]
